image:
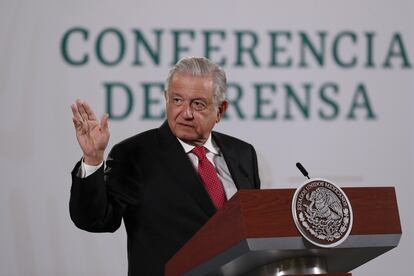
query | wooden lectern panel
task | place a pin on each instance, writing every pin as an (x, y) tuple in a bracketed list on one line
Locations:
[(256, 227)]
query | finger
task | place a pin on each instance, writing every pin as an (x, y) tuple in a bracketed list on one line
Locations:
[(81, 110), (89, 112), (104, 122), (77, 124), (78, 106), (75, 112)]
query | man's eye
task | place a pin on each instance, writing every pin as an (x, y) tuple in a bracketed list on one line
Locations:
[(177, 101), (199, 105)]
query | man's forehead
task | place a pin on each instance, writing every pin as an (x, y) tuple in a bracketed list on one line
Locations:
[(191, 85)]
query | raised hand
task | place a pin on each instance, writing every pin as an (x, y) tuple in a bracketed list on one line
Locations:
[(92, 135)]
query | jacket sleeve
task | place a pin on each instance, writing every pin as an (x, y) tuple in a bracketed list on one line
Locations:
[(99, 201)]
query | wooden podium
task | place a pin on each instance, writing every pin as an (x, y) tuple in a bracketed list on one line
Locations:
[(254, 233)]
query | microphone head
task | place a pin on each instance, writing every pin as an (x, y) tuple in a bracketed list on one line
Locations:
[(302, 169)]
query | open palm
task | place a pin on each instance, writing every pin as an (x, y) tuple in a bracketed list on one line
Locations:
[(92, 135)]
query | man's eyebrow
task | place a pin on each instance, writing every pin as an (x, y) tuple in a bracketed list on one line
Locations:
[(176, 94), (200, 99)]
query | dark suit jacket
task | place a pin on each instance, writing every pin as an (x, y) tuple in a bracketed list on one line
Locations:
[(150, 182)]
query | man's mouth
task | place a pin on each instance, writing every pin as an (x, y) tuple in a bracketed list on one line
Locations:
[(185, 125)]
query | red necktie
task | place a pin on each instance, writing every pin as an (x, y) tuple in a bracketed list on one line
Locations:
[(210, 178)]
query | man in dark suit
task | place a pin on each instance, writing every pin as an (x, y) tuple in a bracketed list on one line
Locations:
[(164, 183)]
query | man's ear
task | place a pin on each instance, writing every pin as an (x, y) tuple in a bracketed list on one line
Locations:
[(165, 98), (221, 110)]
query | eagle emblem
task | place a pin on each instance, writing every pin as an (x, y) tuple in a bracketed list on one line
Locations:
[(322, 213)]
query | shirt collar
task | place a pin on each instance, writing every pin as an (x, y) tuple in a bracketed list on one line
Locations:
[(209, 145)]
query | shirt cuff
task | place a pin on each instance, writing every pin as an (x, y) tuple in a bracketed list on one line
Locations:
[(86, 170)]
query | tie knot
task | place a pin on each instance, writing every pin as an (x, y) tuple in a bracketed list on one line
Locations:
[(200, 152)]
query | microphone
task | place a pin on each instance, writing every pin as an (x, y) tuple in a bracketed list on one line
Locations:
[(302, 170)]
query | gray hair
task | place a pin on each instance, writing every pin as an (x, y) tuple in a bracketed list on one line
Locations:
[(200, 67)]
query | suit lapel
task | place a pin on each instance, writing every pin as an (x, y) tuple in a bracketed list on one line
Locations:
[(180, 168), (230, 153)]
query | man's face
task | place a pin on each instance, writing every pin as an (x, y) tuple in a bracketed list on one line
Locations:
[(191, 110)]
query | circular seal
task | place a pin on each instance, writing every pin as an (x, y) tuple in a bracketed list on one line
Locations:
[(322, 213)]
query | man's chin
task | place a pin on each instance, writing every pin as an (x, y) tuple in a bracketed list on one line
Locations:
[(189, 138)]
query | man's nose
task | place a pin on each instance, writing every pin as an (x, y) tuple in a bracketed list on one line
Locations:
[(187, 111)]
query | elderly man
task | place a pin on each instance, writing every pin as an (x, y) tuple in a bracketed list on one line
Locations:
[(165, 183)]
